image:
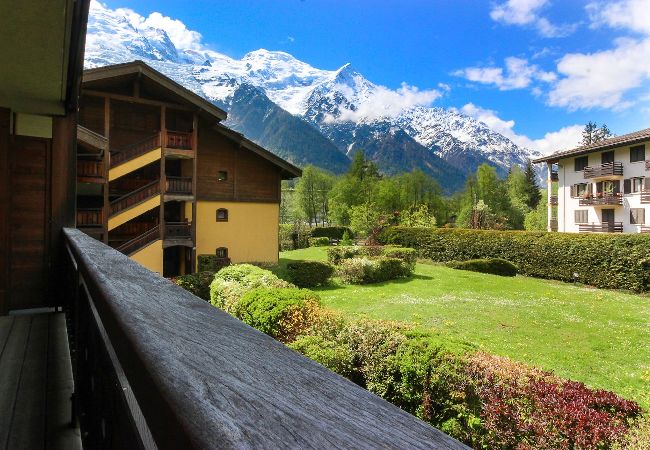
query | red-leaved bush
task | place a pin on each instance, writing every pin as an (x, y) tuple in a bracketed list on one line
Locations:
[(526, 408)]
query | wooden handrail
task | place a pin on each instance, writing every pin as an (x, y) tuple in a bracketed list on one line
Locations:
[(140, 241), (602, 170), (178, 139), (607, 227), (119, 156), (604, 199), (178, 230), (196, 377), (147, 191)]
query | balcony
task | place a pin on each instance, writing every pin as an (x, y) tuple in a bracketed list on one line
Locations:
[(602, 200), (645, 196), (647, 164), (613, 169), (157, 367), (90, 171), (553, 200), (555, 176), (553, 224), (178, 140), (607, 227), (178, 230), (178, 185), (89, 217), (644, 229)]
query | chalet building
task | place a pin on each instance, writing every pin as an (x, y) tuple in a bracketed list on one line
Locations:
[(602, 187), (161, 180), (96, 351)]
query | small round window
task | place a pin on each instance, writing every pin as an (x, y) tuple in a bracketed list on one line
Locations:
[(222, 215)]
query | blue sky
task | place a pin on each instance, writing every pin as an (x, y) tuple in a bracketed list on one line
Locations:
[(535, 70)]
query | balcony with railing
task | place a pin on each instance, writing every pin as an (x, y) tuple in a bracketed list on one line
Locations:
[(139, 148), (89, 217), (553, 200), (178, 230), (555, 176), (178, 185), (178, 140), (133, 198), (607, 227), (645, 196), (90, 171), (611, 169), (157, 367), (601, 199), (553, 224)]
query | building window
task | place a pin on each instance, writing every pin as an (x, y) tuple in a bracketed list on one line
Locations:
[(580, 189), (608, 187), (222, 175), (637, 153), (633, 185), (607, 157), (637, 216), (581, 216), (222, 215), (222, 252), (581, 162)]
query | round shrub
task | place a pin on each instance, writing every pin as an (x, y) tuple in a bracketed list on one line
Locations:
[(197, 283), (336, 254), (308, 274), (366, 270), (232, 282), (328, 353), (385, 269), (494, 266), (319, 241), (408, 255), (282, 313), (355, 270)]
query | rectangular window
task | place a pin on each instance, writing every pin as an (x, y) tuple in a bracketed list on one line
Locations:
[(637, 216), (581, 216), (581, 162), (637, 153), (636, 184), (222, 175), (580, 189), (607, 157)]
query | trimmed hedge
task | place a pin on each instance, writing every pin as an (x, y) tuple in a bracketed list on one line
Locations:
[(494, 266), (319, 241), (336, 254), (608, 261), (307, 274), (211, 263), (408, 255), (376, 270), (197, 283), (331, 232)]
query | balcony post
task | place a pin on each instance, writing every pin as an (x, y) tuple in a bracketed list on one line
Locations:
[(107, 162), (195, 150), (549, 187), (163, 177)]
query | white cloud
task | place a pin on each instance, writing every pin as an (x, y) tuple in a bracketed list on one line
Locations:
[(291, 39), (526, 13), (562, 139), (385, 102), (518, 74), (179, 34), (632, 15)]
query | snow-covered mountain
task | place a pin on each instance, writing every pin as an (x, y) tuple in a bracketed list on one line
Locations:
[(347, 111)]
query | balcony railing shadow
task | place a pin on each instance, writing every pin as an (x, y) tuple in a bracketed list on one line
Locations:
[(156, 367)]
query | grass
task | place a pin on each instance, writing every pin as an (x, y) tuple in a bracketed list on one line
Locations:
[(596, 336)]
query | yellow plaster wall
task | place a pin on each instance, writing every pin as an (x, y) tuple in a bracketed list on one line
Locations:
[(250, 235), (151, 257), (133, 212), (134, 164)]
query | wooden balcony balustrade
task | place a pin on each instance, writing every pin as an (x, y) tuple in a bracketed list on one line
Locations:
[(604, 170), (135, 197), (132, 228), (602, 200), (647, 164), (555, 176), (88, 168), (553, 200), (644, 229), (119, 156), (156, 367), (645, 196), (607, 227), (178, 139), (140, 241), (89, 217), (178, 230), (179, 185), (553, 224)]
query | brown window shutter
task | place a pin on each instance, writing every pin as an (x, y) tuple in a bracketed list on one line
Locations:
[(627, 186), (599, 186)]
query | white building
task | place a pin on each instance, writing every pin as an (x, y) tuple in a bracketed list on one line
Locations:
[(601, 187)]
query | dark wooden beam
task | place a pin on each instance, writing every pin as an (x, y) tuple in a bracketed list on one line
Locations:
[(143, 101)]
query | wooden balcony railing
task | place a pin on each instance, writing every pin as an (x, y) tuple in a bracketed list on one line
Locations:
[(178, 139), (156, 367), (553, 224), (89, 217), (604, 170), (647, 164), (178, 230), (607, 227), (140, 241), (644, 229), (555, 176), (645, 196), (603, 199), (119, 156), (179, 185), (88, 168), (553, 200), (135, 197)]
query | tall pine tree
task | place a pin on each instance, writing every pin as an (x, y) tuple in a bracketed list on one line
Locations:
[(533, 195)]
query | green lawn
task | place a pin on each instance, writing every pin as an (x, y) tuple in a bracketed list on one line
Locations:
[(596, 336)]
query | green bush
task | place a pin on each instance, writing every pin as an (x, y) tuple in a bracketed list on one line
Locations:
[(336, 357), (336, 254), (610, 261), (319, 241), (331, 232), (293, 237), (376, 270), (306, 274), (408, 255), (197, 283), (347, 238), (282, 313), (494, 266), (232, 282), (211, 263)]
